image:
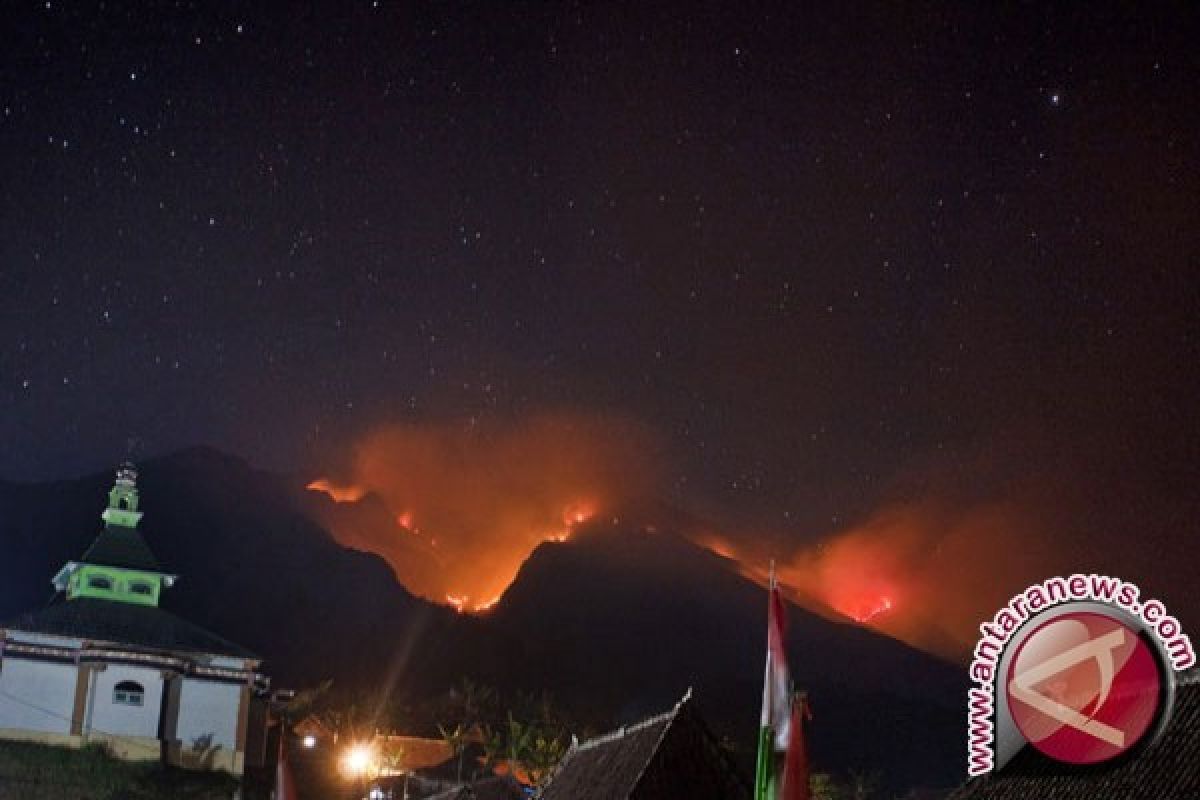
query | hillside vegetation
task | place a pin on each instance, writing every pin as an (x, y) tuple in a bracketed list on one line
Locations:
[(58, 773)]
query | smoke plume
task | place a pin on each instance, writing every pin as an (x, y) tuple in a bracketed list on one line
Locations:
[(456, 507), (467, 502), (927, 572), (955, 539)]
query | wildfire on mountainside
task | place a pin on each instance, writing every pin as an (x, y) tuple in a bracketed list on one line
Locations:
[(861, 603), (880, 606), (461, 507), (464, 600), (339, 494)]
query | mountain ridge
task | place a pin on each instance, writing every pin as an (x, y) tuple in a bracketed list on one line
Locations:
[(616, 622)]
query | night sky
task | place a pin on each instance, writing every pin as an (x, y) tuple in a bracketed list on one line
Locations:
[(834, 256)]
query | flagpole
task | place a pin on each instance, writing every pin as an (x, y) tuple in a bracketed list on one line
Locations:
[(285, 784), (764, 771)]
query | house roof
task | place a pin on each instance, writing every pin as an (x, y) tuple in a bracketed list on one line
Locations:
[(1169, 769), (615, 760), (125, 624), (668, 755), (493, 788), (121, 547), (417, 752), (312, 726)]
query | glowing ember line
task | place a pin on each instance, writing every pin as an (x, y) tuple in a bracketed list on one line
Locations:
[(561, 526), (463, 605), (577, 514), (488, 605), (882, 607), (339, 494)]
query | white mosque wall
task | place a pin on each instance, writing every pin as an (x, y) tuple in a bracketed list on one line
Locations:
[(37, 696), (107, 716), (208, 715)]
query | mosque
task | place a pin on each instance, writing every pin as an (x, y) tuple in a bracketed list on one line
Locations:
[(103, 663)]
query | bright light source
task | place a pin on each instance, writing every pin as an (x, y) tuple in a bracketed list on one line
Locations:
[(357, 760), (310, 741)]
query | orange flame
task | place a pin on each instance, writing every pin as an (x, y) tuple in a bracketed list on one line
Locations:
[(573, 516), (924, 569), (339, 494), (487, 606), (850, 597), (718, 546), (853, 594), (918, 571), (577, 514), (865, 615), (474, 500)]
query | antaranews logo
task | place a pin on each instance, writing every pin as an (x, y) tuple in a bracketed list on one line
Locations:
[(1078, 667)]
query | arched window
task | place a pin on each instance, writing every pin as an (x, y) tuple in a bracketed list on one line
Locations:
[(128, 693), (99, 582), (140, 587)]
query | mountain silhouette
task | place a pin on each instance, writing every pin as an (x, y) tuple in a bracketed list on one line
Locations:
[(615, 624)]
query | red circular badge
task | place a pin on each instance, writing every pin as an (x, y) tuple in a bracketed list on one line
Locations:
[(1084, 687)]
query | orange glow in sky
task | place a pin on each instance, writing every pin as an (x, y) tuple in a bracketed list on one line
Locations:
[(466, 503)]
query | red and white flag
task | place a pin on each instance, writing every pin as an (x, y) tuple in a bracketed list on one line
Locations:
[(779, 723), (795, 767), (777, 682)]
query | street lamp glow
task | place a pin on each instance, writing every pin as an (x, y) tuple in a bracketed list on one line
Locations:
[(310, 741), (357, 760)]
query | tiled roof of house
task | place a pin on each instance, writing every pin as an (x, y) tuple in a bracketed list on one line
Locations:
[(1169, 769), (312, 725), (667, 756), (117, 546), (125, 623), (493, 788), (416, 752)]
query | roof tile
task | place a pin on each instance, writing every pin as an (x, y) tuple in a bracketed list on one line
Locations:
[(668, 756), (1167, 770), (121, 547), (125, 623)]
